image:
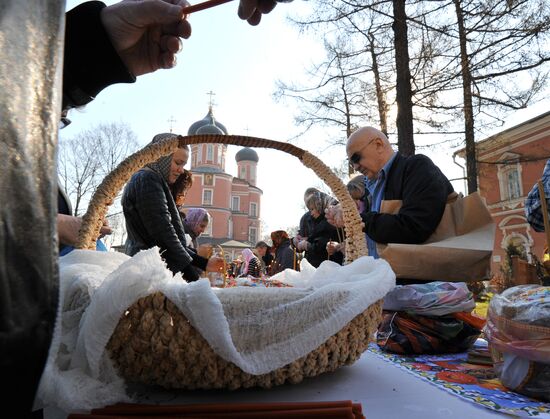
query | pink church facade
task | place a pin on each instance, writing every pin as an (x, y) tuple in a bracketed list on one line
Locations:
[(233, 201)]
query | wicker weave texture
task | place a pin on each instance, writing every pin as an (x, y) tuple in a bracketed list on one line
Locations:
[(155, 344)]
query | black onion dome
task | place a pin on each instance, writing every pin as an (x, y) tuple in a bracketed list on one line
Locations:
[(207, 120), (247, 154), (210, 129)]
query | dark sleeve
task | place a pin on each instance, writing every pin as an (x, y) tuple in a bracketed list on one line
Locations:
[(197, 260), (425, 190), (90, 61), (152, 206), (287, 259), (302, 230), (322, 234)]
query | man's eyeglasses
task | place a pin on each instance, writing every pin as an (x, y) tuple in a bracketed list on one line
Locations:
[(355, 158)]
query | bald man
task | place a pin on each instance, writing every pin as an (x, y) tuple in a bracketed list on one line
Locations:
[(415, 181)]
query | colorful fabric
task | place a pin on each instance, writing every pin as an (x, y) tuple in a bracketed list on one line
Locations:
[(533, 207), (475, 383), (430, 299), (406, 333)]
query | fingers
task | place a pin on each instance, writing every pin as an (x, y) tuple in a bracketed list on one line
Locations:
[(266, 6), (171, 44), (247, 9), (105, 230), (252, 10)]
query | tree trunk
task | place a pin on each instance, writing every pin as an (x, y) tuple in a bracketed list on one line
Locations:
[(471, 166), (380, 97), (405, 139)]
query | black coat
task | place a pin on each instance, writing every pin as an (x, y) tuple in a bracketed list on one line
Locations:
[(322, 233), (423, 188), (152, 219), (284, 258)]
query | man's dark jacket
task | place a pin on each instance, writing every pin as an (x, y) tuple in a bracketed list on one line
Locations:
[(423, 190)]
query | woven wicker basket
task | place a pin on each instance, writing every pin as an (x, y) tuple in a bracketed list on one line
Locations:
[(154, 343)]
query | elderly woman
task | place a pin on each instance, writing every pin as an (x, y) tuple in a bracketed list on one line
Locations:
[(195, 222), (152, 218), (356, 188), (315, 246)]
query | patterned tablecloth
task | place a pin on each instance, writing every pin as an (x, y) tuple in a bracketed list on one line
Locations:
[(475, 383)]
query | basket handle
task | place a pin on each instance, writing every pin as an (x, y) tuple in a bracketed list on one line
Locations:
[(113, 183)]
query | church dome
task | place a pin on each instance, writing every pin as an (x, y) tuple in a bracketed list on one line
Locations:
[(247, 154), (210, 129), (208, 120)]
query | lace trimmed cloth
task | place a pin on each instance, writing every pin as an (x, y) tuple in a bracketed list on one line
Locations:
[(258, 329)]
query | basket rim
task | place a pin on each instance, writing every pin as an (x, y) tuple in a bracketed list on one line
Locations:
[(113, 183)]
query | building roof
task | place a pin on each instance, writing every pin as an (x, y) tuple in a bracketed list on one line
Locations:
[(210, 129), (210, 121), (247, 154), (504, 133)]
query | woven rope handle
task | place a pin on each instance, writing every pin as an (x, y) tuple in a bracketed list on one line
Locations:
[(113, 183)]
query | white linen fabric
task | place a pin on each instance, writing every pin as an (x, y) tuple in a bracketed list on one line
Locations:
[(259, 329)]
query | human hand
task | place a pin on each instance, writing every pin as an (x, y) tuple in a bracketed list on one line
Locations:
[(333, 247), (68, 227), (334, 215), (302, 245), (146, 34), (105, 229), (252, 10), (215, 264)]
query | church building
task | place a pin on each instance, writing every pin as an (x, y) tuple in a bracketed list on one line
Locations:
[(232, 201)]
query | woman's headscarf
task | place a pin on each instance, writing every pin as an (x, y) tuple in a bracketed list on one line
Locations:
[(162, 165), (194, 217), (247, 256), (319, 201), (277, 237)]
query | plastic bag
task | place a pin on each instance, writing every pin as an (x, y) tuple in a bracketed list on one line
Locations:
[(406, 333), (518, 332), (430, 299)]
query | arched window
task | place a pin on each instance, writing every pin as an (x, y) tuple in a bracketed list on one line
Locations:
[(509, 177)]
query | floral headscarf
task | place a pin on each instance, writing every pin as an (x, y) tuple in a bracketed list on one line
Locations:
[(319, 201)]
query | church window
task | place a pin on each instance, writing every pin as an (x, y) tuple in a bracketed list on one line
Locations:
[(235, 203), (208, 230), (207, 197), (253, 209), (513, 184), (509, 177), (252, 234), (209, 152)]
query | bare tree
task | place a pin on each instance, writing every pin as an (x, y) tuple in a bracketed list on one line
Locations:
[(499, 52), (84, 160)]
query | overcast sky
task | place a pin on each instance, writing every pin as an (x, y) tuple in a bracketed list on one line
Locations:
[(241, 65)]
